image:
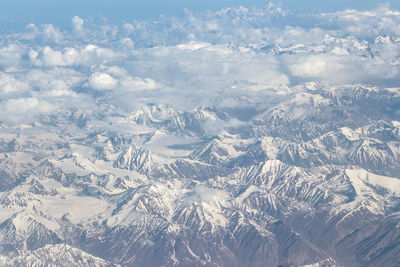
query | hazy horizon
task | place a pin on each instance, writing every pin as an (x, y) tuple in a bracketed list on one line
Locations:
[(18, 13)]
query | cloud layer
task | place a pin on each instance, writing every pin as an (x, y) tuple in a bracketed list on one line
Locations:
[(236, 56)]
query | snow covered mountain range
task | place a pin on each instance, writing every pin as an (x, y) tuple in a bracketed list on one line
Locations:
[(208, 148)]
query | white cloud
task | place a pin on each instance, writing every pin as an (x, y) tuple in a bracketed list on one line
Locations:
[(313, 66), (32, 54), (77, 23), (128, 28), (62, 93), (127, 43), (9, 85), (92, 54), (11, 55), (134, 84), (67, 56), (341, 69), (51, 33), (102, 81), (192, 45), (70, 56), (55, 79), (29, 104), (230, 58), (52, 57)]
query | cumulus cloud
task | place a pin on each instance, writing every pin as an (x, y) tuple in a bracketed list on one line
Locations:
[(342, 69), (231, 58), (133, 84), (32, 55), (68, 56), (55, 79), (51, 33), (92, 54), (30, 104), (51, 57), (127, 43), (205, 67), (102, 81), (313, 66), (11, 55), (9, 85), (364, 24), (77, 23), (128, 28)]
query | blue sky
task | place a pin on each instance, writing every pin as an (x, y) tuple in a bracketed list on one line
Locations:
[(50, 11)]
